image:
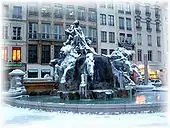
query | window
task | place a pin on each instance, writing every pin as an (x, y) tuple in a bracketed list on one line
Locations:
[(5, 32), (129, 38), (103, 19), (46, 30), (46, 10), (111, 20), (33, 28), (57, 51), (33, 73), (148, 26), (81, 13), (147, 10), (139, 54), (92, 15), (111, 37), (110, 51), (121, 23), (121, 8), (104, 51), (58, 30), (122, 37), (159, 56), (128, 8), (102, 5), (149, 40), (33, 10), (103, 36), (130, 58), (158, 41), (16, 54), (58, 11), (128, 24), (92, 34), (139, 39), (4, 53), (17, 12), (149, 55), (32, 53), (138, 24), (70, 12), (110, 5), (44, 72), (157, 26), (16, 33), (46, 54), (6, 11), (84, 29)]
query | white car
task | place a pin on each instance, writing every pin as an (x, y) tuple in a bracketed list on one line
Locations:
[(155, 82)]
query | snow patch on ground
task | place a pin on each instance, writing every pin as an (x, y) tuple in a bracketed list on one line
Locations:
[(20, 117)]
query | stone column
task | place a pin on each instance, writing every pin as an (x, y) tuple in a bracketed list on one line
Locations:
[(145, 68)]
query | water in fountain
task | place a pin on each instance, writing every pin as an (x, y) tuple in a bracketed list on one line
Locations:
[(80, 69)]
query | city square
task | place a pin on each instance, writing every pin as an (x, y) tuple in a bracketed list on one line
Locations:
[(104, 59)]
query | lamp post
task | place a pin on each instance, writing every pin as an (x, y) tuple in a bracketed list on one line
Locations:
[(145, 56)]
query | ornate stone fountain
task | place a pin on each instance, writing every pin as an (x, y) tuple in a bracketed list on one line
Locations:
[(16, 84), (81, 73)]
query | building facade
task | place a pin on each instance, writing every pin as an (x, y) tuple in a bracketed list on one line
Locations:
[(136, 26), (46, 24), (14, 36)]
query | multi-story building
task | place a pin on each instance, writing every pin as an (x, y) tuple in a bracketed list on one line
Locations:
[(14, 36), (124, 23), (46, 23), (148, 28)]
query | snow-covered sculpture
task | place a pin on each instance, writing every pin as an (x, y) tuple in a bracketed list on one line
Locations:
[(79, 63)]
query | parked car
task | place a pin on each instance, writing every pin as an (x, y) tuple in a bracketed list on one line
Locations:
[(155, 82)]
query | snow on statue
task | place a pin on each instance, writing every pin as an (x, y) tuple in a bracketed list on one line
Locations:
[(77, 47)]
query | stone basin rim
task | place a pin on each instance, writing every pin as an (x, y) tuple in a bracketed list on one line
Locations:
[(89, 108)]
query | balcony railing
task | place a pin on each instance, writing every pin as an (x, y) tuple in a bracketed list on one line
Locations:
[(139, 28), (148, 13), (82, 18), (149, 29), (47, 37), (92, 19), (94, 40), (17, 16), (53, 37), (137, 11), (58, 15), (33, 13)]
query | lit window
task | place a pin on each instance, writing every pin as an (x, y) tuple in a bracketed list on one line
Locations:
[(16, 54), (4, 53)]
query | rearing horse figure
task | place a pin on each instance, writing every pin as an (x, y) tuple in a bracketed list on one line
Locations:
[(87, 70)]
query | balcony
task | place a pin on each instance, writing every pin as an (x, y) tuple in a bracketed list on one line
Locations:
[(121, 27), (139, 28), (17, 16), (92, 19), (127, 45), (128, 12), (58, 15), (149, 29), (137, 11), (147, 13), (33, 13), (94, 40), (82, 18), (46, 37), (70, 17), (157, 15), (120, 11), (46, 14), (158, 30)]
